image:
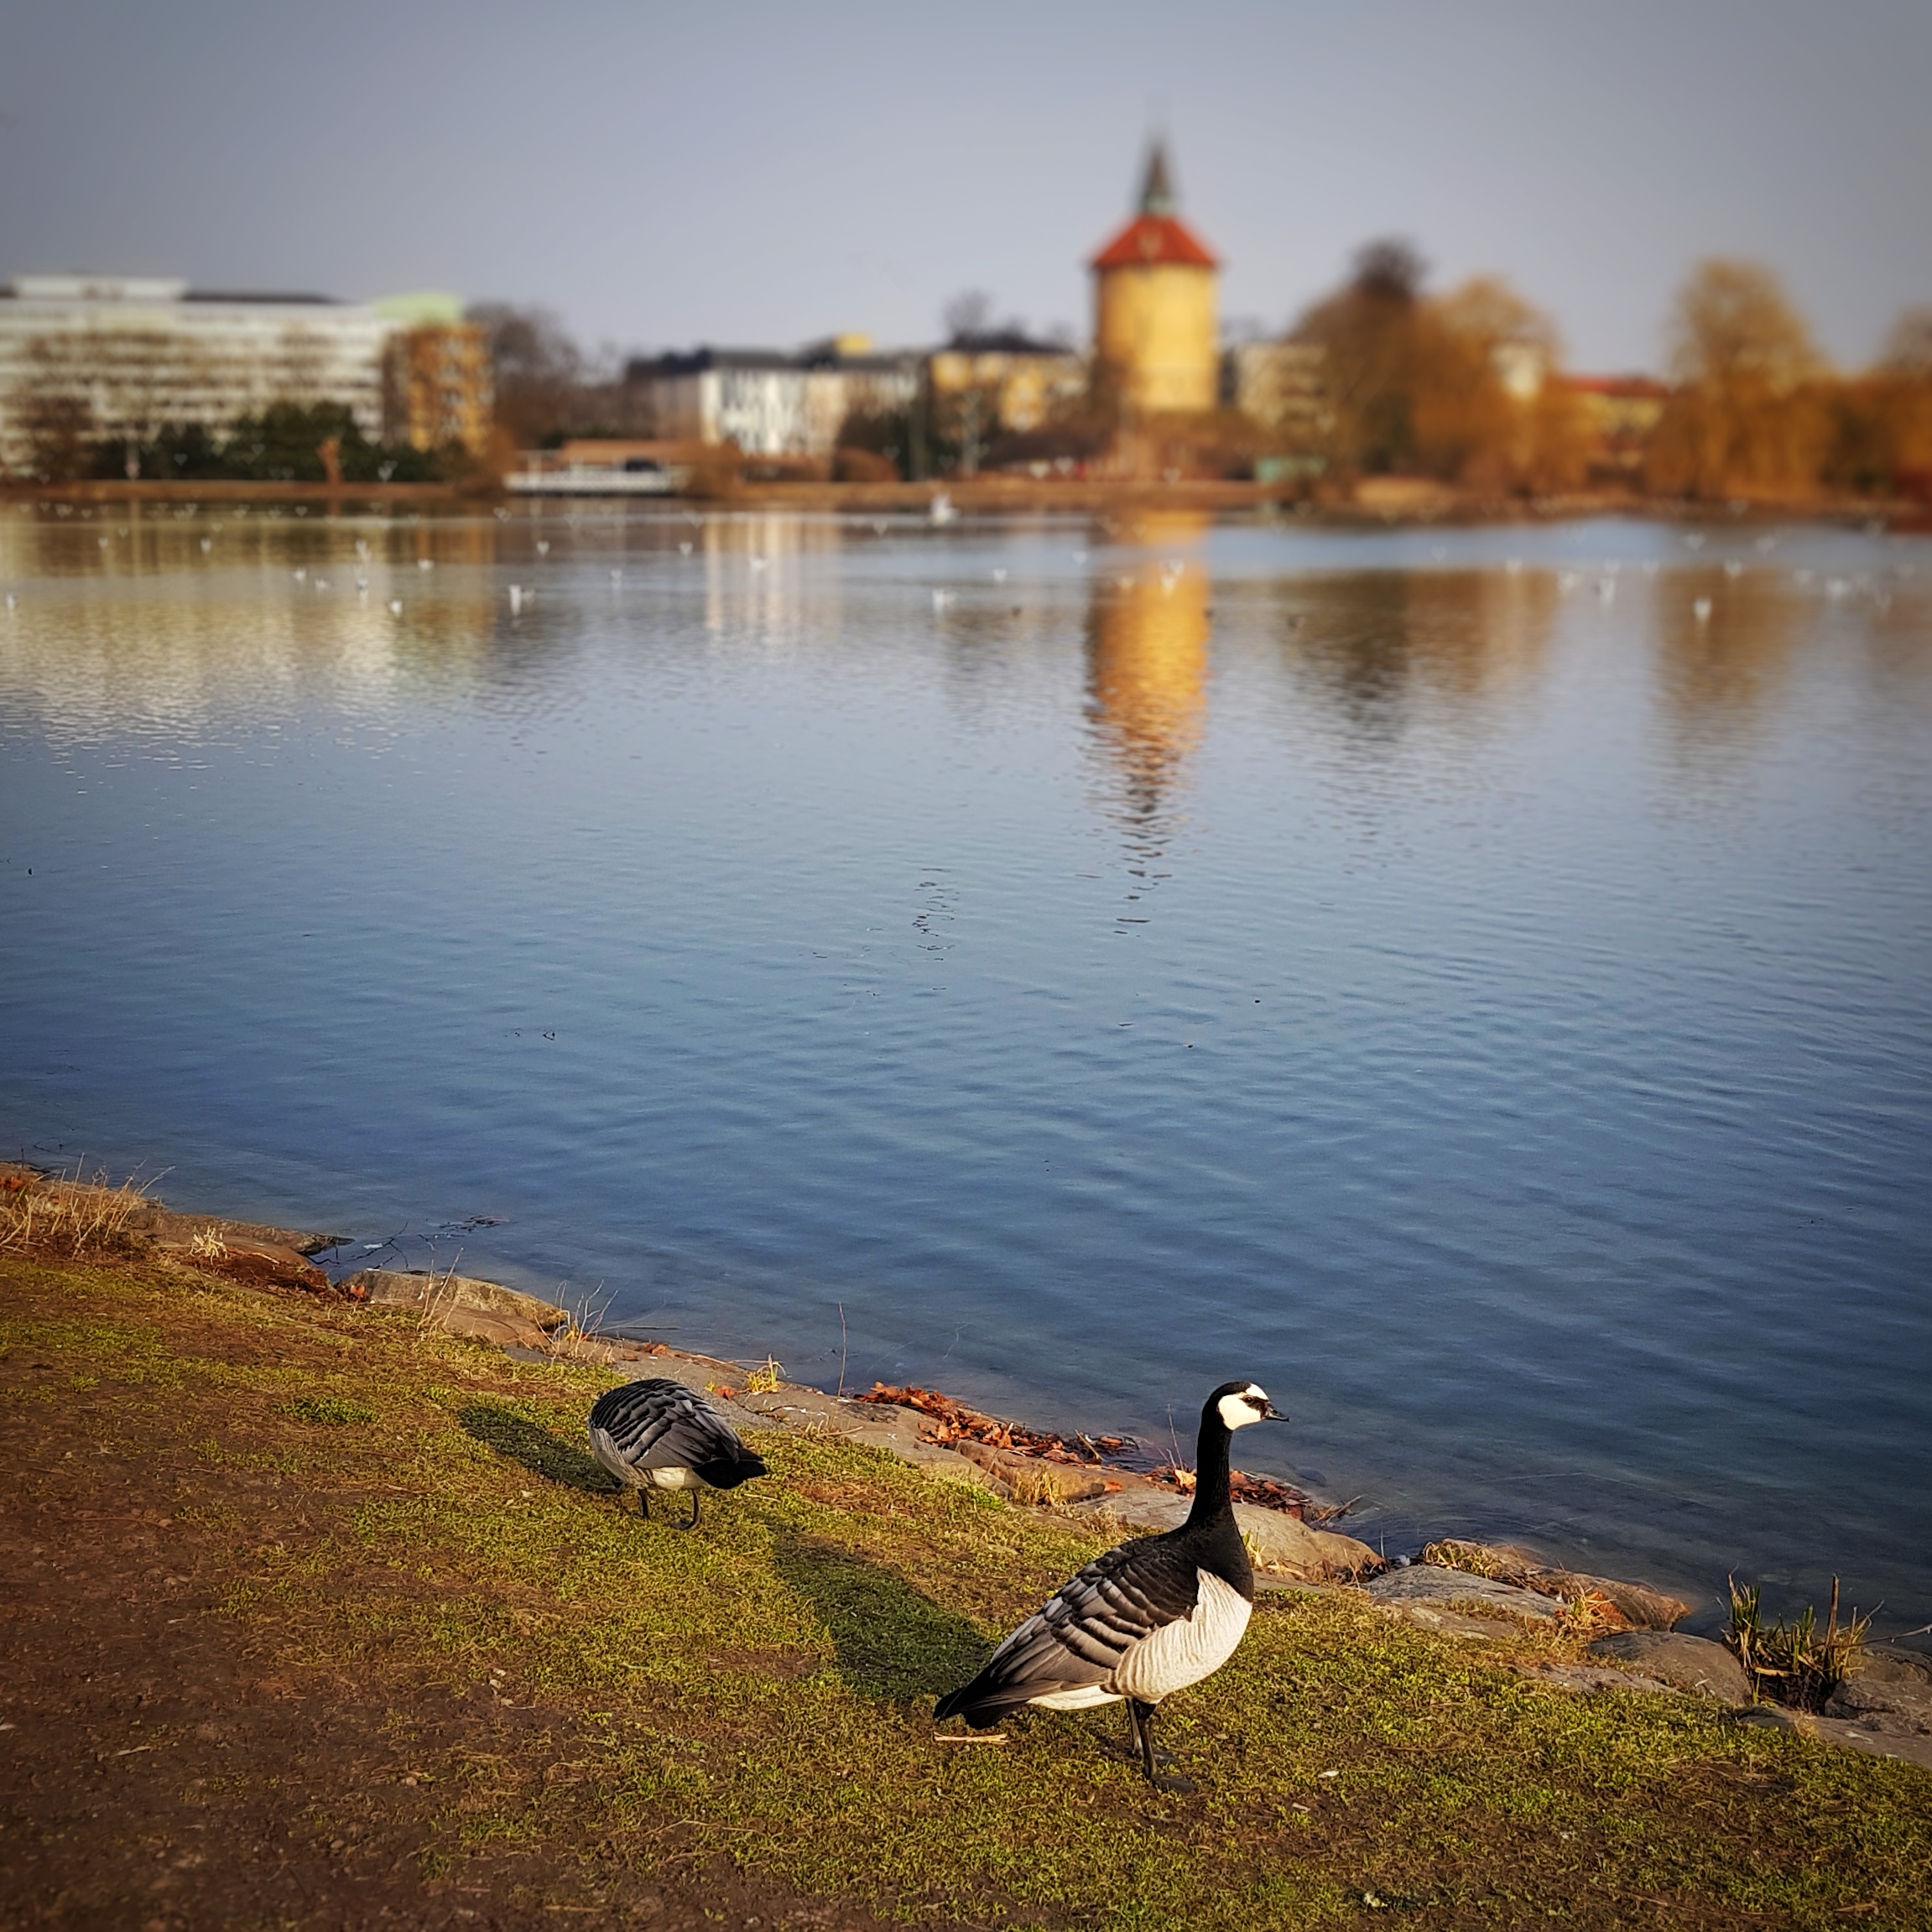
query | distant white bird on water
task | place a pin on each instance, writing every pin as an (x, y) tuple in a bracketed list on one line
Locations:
[(942, 509), (1147, 1619), (658, 1434)]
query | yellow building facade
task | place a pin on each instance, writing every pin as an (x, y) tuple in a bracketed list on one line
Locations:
[(1156, 297)]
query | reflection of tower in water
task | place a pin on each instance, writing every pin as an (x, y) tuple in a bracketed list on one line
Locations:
[(1147, 662)]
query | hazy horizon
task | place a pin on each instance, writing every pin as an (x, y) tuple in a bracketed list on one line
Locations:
[(758, 175)]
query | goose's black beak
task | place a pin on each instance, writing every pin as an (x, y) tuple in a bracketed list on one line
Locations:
[(1271, 1414)]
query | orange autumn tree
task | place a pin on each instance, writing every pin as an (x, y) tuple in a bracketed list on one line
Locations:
[(1750, 411)]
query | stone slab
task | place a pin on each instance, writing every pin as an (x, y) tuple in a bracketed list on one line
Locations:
[(1854, 1736), (1424, 1586), (1691, 1663), (1900, 1706), (436, 1295), (1640, 1606), (1891, 1663), (1140, 1508)]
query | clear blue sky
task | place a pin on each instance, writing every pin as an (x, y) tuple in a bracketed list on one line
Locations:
[(755, 173)]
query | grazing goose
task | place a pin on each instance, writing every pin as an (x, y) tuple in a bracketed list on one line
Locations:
[(1147, 1619), (658, 1434)]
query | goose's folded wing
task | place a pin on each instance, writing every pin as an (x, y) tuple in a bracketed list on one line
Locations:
[(1080, 1635), (661, 1424)]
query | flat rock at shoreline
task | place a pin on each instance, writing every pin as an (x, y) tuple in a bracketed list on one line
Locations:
[(1901, 1704), (1855, 1734), (1279, 1542), (483, 1311), (1691, 1663), (1425, 1594), (1640, 1606)]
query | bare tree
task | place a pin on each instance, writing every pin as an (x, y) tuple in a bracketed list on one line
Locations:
[(546, 384), (967, 315), (1733, 324), (1490, 409), (1747, 413), (1366, 331), (1908, 348), (1882, 421)]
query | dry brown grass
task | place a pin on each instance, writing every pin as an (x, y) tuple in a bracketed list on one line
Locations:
[(70, 1217), (1471, 1559)]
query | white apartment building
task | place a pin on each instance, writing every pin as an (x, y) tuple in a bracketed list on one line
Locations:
[(768, 404), (119, 357)]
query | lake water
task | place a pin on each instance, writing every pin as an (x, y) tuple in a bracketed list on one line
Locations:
[(1439, 975)]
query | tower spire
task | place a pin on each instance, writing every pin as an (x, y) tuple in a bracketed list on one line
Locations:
[(1157, 192)]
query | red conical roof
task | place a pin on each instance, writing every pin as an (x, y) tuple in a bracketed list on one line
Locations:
[(1155, 234), (1151, 238)]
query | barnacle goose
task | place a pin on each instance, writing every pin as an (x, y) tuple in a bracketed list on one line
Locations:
[(1147, 1619), (658, 1434)]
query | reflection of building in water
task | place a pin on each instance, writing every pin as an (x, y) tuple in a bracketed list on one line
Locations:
[(1146, 659), (153, 631), (761, 578)]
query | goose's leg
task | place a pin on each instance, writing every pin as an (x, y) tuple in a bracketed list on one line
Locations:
[(1151, 1758), (696, 1494)]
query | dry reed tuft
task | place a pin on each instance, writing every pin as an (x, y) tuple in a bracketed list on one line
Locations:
[(1590, 1613), (1471, 1559), (584, 1328), (1795, 1662), (70, 1217)]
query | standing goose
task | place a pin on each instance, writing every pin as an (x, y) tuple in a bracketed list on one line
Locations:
[(658, 1434), (1148, 1618)]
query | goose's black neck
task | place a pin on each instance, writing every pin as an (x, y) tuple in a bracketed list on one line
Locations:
[(1213, 1497)]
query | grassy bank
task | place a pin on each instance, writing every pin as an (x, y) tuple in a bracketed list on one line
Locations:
[(537, 1703)]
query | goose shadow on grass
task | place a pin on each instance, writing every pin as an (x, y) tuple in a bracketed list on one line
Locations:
[(521, 1441), (892, 1643)]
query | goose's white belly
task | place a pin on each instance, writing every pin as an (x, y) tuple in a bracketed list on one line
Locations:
[(1190, 1649), (669, 1479), (1170, 1659), (1084, 1699)]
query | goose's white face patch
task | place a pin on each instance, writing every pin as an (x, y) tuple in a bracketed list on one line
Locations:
[(1244, 1406)]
